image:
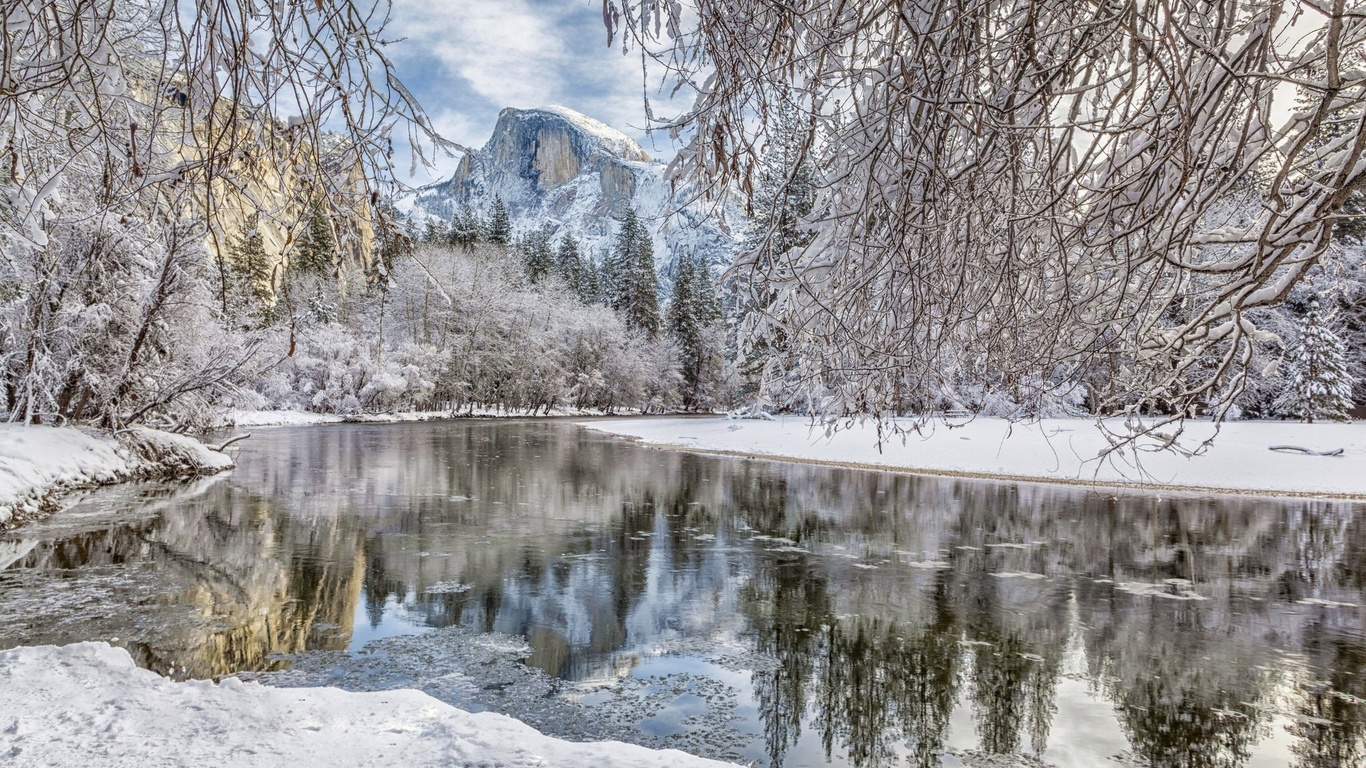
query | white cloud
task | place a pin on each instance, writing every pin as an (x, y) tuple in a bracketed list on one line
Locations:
[(467, 59), (505, 50)]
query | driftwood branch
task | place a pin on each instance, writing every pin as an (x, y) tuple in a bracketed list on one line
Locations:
[(224, 445)]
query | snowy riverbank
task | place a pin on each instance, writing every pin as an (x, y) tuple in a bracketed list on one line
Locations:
[(1054, 450), (285, 418), (88, 704), (38, 462)]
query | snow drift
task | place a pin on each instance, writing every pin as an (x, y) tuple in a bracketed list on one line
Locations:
[(88, 704), (37, 462)]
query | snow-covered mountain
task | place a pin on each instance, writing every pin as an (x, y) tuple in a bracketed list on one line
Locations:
[(555, 166)]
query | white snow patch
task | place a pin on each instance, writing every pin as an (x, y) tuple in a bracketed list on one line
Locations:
[(89, 704), (616, 142), (1238, 459), (280, 418), (294, 418), (36, 461)]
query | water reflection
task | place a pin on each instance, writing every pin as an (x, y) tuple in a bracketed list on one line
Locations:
[(866, 619)]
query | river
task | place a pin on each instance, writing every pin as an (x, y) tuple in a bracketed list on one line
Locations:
[(779, 614)]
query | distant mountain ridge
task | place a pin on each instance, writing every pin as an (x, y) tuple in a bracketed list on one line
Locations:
[(553, 166)]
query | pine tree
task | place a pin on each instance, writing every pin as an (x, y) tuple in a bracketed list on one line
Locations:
[(590, 285), (500, 226), (465, 229), (631, 277), (693, 310), (569, 265), (314, 255), (783, 199), (537, 255), (1318, 383), (253, 295), (642, 309), (786, 190), (616, 264), (434, 233)]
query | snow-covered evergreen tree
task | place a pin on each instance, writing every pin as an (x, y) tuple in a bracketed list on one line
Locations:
[(569, 266), (317, 246), (250, 291), (692, 322), (615, 262), (783, 199), (592, 282), (631, 277), (465, 228), (1318, 384), (785, 193), (537, 255), (434, 233), (499, 226)]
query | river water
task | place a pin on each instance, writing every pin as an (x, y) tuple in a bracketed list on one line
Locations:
[(767, 613)]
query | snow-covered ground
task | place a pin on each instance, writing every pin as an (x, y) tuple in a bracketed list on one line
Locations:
[(37, 461), (284, 418), (88, 704), (1054, 450)]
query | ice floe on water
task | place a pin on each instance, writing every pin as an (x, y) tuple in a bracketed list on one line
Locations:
[(664, 700), (1326, 603), (930, 565), (448, 588), (1170, 589)]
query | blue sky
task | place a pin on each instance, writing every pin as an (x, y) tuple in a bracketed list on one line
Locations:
[(467, 59)]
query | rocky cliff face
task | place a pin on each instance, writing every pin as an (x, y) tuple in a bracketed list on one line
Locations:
[(553, 166)]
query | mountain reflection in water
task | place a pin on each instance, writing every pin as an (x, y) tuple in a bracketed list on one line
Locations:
[(863, 618)]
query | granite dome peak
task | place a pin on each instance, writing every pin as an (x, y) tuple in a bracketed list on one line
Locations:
[(557, 168)]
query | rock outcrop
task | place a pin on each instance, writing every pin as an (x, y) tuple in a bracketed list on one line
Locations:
[(553, 166)]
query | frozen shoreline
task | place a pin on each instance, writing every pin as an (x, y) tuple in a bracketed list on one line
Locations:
[(287, 418), (39, 462), (89, 704), (1053, 450)]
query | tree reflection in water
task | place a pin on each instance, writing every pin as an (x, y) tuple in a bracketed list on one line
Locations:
[(879, 619)]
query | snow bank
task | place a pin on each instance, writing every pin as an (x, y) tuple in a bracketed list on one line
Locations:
[(88, 704), (1054, 450), (280, 418), (288, 418), (36, 462)]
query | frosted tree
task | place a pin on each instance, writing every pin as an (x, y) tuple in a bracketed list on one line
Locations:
[(538, 256), (1018, 191), (1318, 383), (781, 206), (253, 280), (569, 266), (631, 277), (435, 232), (465, 228), (316, 249), (134, 133), (785, 192), (499, 228), (692, 322), (592, 284)]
